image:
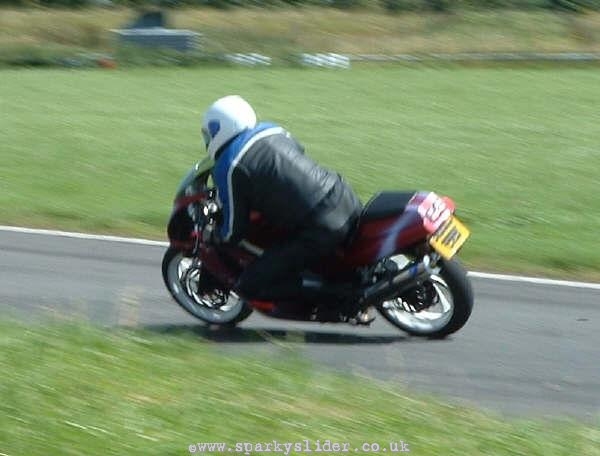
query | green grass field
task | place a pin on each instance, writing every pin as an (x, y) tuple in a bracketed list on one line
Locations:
[(70, 389), (102, 151)]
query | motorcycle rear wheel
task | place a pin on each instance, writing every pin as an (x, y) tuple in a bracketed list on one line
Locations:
[(451, 297), (198, 293)]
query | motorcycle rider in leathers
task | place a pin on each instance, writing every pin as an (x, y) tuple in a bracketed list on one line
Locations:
[(261, 167)]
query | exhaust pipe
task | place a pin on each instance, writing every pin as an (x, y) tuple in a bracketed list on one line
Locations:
[(398, 283)]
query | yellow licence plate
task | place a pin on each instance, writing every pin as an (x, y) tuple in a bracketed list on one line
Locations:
[(449, 238)]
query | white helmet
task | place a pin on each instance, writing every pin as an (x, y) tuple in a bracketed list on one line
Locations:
[(224, 119)]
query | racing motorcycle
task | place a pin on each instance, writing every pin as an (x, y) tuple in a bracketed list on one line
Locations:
[(400, 259)]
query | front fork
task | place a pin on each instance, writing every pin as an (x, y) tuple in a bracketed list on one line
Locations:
[(208, 258)]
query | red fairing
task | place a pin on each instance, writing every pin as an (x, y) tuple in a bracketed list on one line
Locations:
[(449, 203), (180, 228), (380, 238), (424, 214)]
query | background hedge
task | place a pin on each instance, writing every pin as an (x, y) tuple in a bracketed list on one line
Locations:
[(388, 5)]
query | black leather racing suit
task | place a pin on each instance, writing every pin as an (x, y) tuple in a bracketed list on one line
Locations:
[(265, 169)]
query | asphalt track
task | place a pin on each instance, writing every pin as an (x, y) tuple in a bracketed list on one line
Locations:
[(529, 349)]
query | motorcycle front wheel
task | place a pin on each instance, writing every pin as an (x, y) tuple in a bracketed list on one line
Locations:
[(198, 293), (436, 308)]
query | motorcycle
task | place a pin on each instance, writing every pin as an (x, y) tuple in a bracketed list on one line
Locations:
[(400, 259)]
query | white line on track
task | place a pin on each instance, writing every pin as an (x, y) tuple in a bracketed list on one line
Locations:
[(535, 280), (479, 275), (94, 237)]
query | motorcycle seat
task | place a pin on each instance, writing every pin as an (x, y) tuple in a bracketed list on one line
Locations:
[(386, 204)]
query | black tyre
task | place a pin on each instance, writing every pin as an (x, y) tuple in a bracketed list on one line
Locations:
[(199, 294), (441, 306)]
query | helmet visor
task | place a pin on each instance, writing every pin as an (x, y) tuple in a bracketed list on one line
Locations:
[(206, 136)]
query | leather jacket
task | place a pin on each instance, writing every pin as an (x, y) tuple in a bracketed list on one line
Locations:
[(265, 169)]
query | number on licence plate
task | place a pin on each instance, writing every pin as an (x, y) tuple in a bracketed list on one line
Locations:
[(450, 238)]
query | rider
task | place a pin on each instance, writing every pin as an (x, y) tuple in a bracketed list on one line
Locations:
[(261, 167)]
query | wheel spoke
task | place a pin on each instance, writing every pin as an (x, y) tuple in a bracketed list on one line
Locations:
[(431, 318), (443, 298), (184, 278)]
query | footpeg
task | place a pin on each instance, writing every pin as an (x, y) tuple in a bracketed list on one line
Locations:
[(363, 318)]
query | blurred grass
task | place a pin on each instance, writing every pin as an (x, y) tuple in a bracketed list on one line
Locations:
[(70, 389), (281, 31), (103, 151)]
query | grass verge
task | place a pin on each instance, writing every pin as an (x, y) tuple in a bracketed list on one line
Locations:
[(72, 389), (103, 151)]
